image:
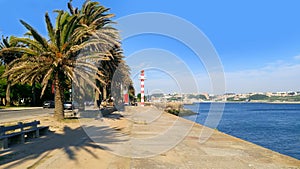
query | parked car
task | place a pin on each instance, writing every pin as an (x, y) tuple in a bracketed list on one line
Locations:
[(48, 104), (71, 105), (89, 103)]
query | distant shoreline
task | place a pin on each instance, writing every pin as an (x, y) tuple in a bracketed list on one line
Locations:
[(265, 102)]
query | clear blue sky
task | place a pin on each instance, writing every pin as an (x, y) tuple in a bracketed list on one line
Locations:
[(258, 42)]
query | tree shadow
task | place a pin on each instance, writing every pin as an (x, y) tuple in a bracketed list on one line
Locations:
[(114, 116), (70, 141), (110, 113)]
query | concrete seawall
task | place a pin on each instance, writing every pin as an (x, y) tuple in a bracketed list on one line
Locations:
[(218, 151)]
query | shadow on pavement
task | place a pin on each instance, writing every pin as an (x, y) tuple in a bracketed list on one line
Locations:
[(69, 141)]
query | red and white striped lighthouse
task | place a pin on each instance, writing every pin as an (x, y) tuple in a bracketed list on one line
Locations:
[(142, 78)]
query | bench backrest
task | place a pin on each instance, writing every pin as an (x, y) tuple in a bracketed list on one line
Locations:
[(31, 124), (20, 125), (4, 129)]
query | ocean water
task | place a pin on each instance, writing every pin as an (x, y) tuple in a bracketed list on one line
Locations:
[(273, 126)]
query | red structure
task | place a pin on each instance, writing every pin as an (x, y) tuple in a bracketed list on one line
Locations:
[(126, 99)]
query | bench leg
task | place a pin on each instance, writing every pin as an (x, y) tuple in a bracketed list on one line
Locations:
[(22, 138), (4, 144), (37, 133), (43, 130)]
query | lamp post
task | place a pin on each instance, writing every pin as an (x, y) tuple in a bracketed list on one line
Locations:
[(142, 78), (70, 91)]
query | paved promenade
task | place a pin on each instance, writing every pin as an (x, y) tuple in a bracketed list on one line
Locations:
[(139, 138)]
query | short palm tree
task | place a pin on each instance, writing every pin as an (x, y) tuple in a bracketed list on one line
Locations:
[(6, 58), (115, 72), (69, 53)]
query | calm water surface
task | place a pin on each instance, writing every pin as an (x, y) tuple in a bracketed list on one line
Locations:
[(274, 126)]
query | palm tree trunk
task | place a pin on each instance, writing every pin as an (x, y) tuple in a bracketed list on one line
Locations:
[(97, 99), (104, 92), (33, 101), (8, 101), (59, 109)]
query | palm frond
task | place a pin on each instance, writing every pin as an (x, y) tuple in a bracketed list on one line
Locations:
[(36, 35), (50, 29)]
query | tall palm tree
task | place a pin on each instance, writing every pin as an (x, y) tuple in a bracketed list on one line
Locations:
[(95, 17), (69, 53)]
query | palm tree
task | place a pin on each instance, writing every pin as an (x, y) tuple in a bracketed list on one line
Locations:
[(95, 17), (115, 72), (7, 58), (69, 53)]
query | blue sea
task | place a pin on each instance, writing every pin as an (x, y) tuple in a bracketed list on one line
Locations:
[(273, 126)]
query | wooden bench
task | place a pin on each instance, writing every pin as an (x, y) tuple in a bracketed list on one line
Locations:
[(20, 133)]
